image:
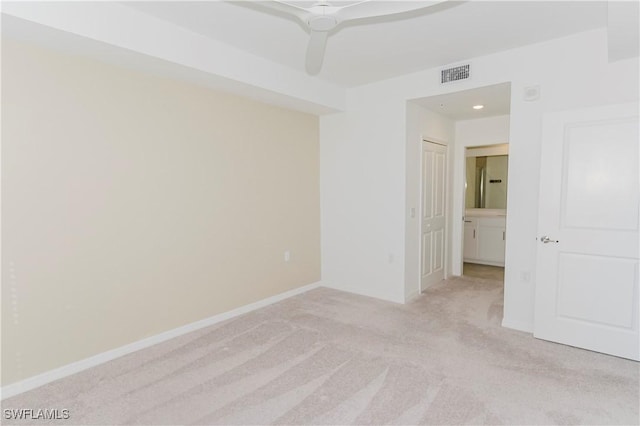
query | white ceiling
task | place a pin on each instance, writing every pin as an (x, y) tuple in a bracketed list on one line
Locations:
[(379, 48), (459, 105)]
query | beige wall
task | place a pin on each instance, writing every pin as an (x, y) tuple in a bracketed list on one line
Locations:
[(134, 204), (470, 183)]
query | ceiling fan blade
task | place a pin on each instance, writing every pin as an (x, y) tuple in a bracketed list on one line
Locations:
[(315, 51), (371, 9)]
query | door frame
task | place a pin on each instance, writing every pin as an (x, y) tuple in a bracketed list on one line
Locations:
[(447, 197)]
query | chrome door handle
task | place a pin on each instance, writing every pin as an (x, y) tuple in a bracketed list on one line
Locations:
[(547, 240)]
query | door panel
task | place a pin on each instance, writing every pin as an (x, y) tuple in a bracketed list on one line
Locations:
[(438, 178), (438, 253), (584, 290), (427, 253), (433, 213), (601, 178), (428, 184), (587, 273)]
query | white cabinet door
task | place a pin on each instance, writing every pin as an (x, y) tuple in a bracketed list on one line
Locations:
[(484, 240), (470, 241), (587, 262), (491, 240)]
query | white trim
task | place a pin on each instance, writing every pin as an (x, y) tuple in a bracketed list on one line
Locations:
[(484, 212), (101, 358), (436, 141), (487, 150), (411, 296), (517, 325), (483, 262)]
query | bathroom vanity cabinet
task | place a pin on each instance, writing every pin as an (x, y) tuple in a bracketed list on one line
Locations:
[(484, 240)]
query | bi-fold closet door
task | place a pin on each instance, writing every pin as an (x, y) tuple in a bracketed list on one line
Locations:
[(433, 213)]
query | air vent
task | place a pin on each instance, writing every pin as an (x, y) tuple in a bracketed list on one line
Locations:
[(454, 74)]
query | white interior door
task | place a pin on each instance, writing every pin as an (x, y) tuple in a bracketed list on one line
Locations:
[(433, 213), (587, 267)]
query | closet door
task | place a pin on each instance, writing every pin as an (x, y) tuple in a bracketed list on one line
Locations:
[(433, 213)]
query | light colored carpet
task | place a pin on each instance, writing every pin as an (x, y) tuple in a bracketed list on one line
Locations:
[(328, 357)]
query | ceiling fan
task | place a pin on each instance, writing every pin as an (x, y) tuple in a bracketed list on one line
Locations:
[(322, 17)]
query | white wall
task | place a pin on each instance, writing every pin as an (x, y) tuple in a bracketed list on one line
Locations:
[(422, 124), (363, 248), (482, 131), (364, 169)]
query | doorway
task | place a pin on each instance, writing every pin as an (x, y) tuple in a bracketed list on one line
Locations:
[(486, 180), (457, 120)]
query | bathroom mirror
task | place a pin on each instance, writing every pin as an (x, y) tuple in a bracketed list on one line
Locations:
[(486, 184)]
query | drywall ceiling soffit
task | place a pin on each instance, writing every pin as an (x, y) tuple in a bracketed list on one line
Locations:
[(242, 46), (623, 30), (384, 48), (112, 33), (496, 100)]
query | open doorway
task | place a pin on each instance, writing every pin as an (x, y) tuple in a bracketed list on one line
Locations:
[(463, 121), (485, 216)]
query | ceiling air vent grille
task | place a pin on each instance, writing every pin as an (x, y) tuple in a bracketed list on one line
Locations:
[(461, 72)]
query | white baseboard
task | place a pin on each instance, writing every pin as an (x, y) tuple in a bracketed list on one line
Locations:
[(411, 296), (78, 366), (359, 292), (517, 325)]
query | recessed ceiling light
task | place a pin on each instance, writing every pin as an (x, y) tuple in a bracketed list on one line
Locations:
[(478, 106)]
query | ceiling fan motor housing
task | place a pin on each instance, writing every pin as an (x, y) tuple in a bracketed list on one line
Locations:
[(322, 23)]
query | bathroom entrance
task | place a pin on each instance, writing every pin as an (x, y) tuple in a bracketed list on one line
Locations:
[(485, 214)]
